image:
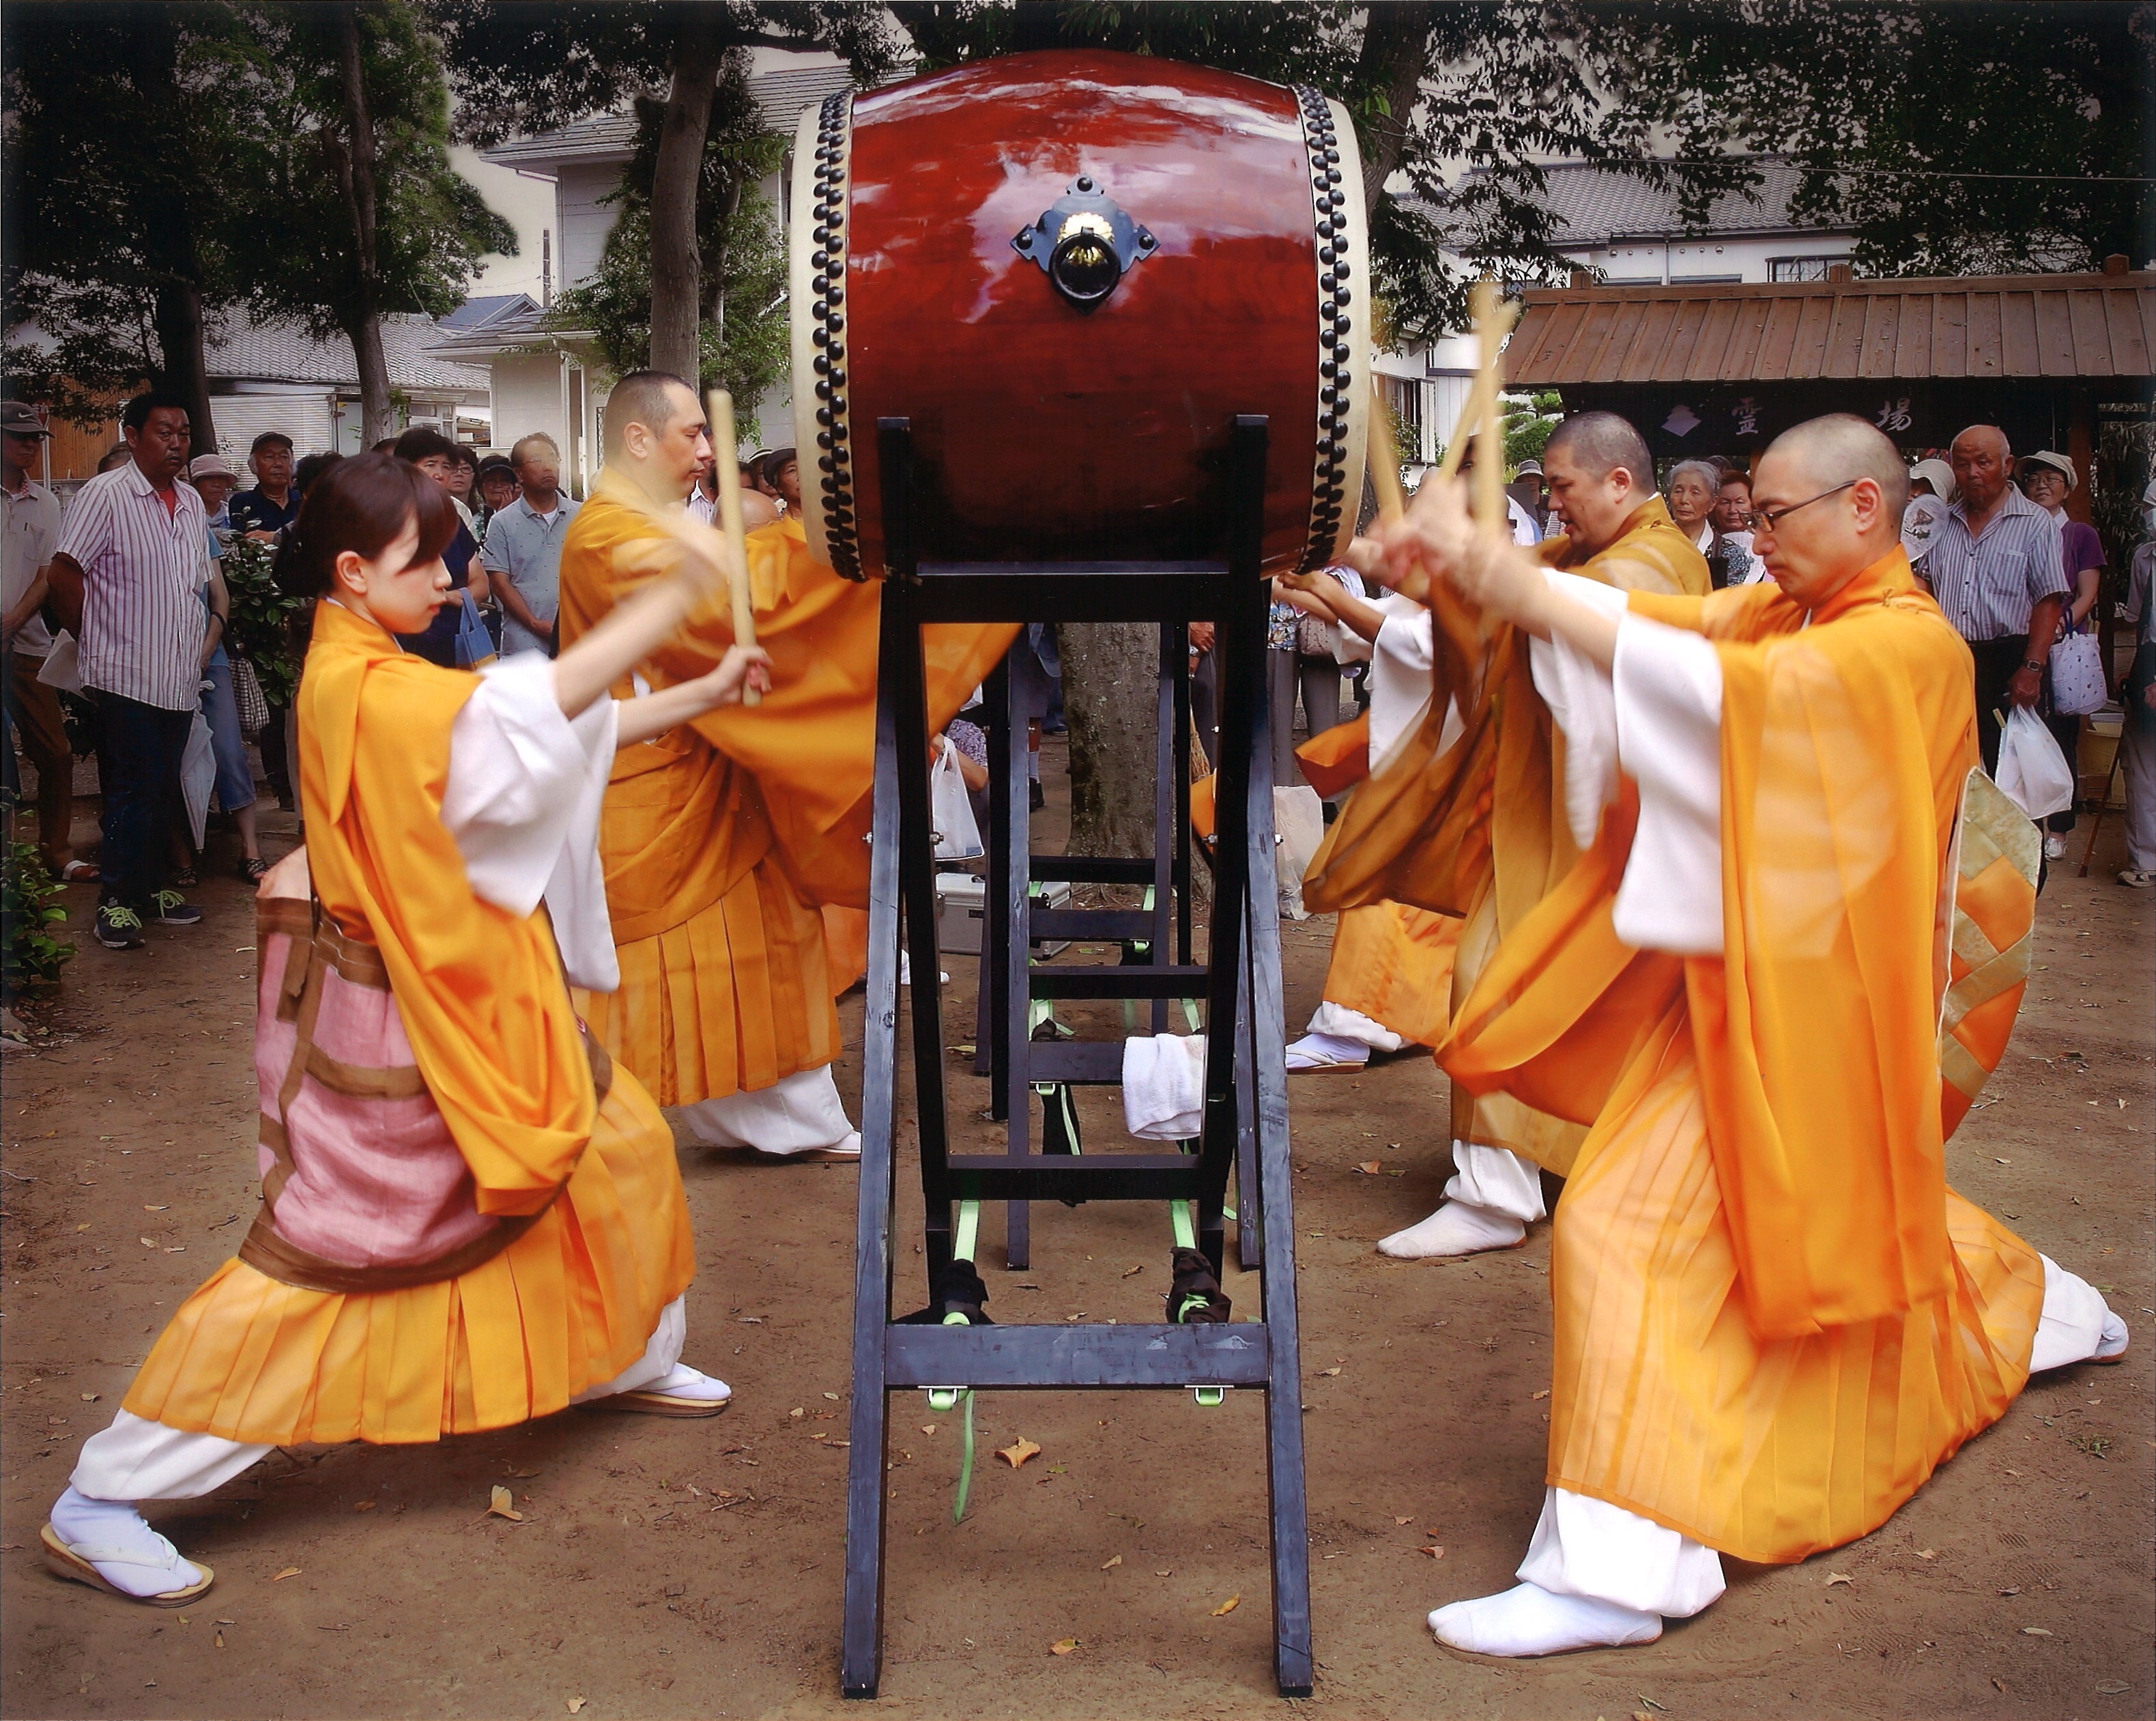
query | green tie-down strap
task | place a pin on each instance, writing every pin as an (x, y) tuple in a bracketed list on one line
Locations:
[(943, 1400)]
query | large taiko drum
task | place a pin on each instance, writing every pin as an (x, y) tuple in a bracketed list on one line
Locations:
[(1071, 271)]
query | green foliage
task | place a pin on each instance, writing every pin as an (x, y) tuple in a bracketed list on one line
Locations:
[(742, 334), (30, 958), (1991, 139), (1528, 422), (121, 132), (432, 226), (262, 618)]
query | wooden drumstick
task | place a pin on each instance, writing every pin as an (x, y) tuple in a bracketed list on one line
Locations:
[(726, 453), (1385, 457), (1490, 450), (1470, 409)]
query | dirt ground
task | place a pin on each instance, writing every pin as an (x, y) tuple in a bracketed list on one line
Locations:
[(693, 1569)]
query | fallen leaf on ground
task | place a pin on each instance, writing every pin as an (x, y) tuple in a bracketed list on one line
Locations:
[(1128, 1270), (1435, 1551), (1833, 1578), (501, 1504), (573, 1704), (369, 1505), (146, 1242), (797, 1413), (1404, 1521), (289, 1571), (2112, 1687), (1063, 1645), (220, 1640), (161, 1207), (2034, 1632), (1543, 1394), (2016, 1591), (1228, 1607), (1018, 1452), (1328, 1371), (833, 1396), (90, 1398), (523, 1475), (1928, 1553), (1113, 1560), (928, 1428), (1165, 1572), (1369, 1168)]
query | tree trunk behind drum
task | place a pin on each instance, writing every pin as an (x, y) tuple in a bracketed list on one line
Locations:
[(1110, 678), (352, 161), (676, 296), (1395, 53)]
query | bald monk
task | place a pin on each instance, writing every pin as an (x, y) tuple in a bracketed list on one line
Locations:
[(1503, 776), (1773, 1319), (722, 843)]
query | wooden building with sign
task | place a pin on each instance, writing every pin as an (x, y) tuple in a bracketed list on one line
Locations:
[(1723, 369)]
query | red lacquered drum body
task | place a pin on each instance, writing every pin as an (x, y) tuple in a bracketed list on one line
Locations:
[(1046, 427)]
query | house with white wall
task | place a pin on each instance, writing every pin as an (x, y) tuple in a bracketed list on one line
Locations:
[(551, 379), (1622, 232)]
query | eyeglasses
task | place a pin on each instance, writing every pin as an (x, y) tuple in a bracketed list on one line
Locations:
[(1773, 517)]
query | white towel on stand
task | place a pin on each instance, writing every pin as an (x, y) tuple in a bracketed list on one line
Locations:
[(1164, 1085)]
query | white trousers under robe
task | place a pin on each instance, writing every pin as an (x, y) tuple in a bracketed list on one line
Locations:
[(138, 1459)]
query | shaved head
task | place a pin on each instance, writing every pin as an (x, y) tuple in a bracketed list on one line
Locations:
[(1840, 447), (1597, 444)]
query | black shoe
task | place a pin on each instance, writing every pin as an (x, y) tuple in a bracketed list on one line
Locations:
[(172, 911), (1036, 796), (119, 928)]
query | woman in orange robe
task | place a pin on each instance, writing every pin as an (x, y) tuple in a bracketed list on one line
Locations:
[(468, 1220), (1773, 1319)]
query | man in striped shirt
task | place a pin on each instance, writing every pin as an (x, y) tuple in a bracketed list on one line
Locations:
[(1994, 566), (129, 570)]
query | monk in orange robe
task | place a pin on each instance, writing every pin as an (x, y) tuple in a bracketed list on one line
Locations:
[(1773, 1319), (469, 1219), (1618, 534), (723, 842)]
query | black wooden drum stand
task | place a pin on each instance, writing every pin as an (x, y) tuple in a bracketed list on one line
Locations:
[(1245, 1086)]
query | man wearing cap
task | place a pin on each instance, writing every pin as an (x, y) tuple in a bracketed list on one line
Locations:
[(1994, 566), (2047, 477), (29, 526)]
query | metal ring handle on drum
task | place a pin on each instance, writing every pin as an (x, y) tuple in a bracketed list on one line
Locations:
[(823, 154), (1335, 166)]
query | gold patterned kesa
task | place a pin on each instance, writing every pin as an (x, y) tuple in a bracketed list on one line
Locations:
[(1992, 919)]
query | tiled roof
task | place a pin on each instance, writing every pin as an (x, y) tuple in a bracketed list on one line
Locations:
[(285, 352), (1591, 205), (779, 97), (488, 308), (528, 328), (1983, 328)]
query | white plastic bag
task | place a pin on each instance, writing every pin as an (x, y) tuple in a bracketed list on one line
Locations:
[(2078, 686), (63, 665), (2033, 773), (1298, 829), (950, 810)]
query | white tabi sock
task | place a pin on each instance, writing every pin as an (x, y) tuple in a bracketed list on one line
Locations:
[(1327, 1052), (112, 1536), (684, 1382), (1457, 1228), (1529, 1620)]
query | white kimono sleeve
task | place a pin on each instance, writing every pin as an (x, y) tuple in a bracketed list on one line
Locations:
[(523, 802), (1657, 718)]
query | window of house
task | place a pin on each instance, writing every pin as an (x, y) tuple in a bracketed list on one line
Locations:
[(1799, 269), (1403, 397)]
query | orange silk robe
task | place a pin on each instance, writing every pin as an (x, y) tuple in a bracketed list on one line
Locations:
[(1479, 832), (1774, 1320), (723, 840), (565, 1307)]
